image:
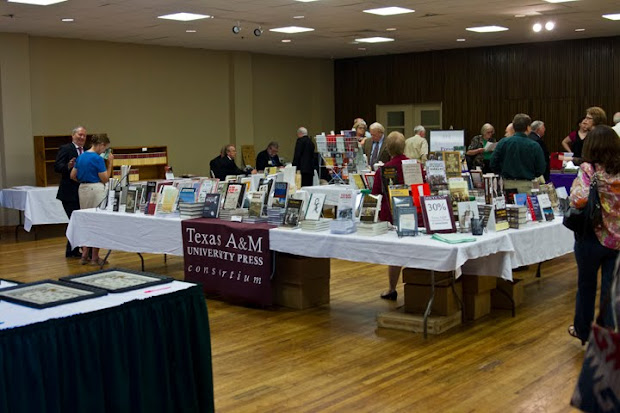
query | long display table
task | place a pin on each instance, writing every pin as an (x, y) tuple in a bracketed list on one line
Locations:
[(141, 351), (39, 204), (494, 253)]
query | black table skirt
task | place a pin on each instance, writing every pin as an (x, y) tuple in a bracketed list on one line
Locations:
[(151, 355)]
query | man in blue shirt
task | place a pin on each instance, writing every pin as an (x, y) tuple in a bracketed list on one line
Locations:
[(517, 158)]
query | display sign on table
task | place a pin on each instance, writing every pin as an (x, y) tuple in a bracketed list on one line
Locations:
[(437, 213), (228, 258), (446, 140)]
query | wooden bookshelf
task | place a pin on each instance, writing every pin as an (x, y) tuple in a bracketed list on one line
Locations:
[(147, 162)]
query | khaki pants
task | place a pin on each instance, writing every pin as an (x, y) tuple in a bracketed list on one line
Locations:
[(522, 186)]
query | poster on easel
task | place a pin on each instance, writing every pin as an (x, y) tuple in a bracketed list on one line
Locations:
[(446, 140)]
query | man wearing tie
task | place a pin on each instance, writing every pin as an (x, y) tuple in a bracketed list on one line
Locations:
[(68, 189), (374, 148)]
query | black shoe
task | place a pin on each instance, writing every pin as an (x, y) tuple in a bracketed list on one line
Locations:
[(573, 333), (392, 295)]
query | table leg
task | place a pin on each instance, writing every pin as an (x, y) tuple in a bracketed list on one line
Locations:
[(538, 269), (141, 259), (427, 312), (512, 302), (21, 223), (165, 258), (105, 259), (458, 299)]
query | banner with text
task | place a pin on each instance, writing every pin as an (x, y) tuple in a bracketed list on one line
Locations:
[(229, 258)]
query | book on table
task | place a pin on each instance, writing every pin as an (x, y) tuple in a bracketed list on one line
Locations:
[(187, 194), (257, 202), (545, 206), (406, 221), (501, 215), (207, 186), (314, 209), (534, 207), (459, 190), (452, 162), (346, 205), (436, 174), (412, 172), (130, 201), (293, 212), (466, 211), (370, 179), (280, 195), (371, 205), (167, 201), (418, 190), (211, 206), (398, 192), (234, 196)]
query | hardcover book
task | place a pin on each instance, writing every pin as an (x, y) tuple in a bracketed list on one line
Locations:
[(293, 212), (534, 208), (389, 176), (167, 200), (459, 190), (130, 201), (545, 205), (371, 205), (436, 173), (187, 195), (234, 196), (315, 207), (257, 202), (397, 191), (280, 195), (406, 220), (211, 206), (452, 162), (418, 190), (467, 211), (207, 186), (412, 172), (501, 215)]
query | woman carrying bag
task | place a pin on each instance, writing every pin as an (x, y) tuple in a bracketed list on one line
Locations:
[(598, 246)]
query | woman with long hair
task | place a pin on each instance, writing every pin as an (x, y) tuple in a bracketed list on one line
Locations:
[(598, 247)]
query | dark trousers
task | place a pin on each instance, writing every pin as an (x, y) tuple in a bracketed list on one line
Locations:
[(307, 179), (591, 256), (69, 207)]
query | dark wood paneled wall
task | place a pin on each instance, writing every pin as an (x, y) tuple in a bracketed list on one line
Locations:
[(552, 81)]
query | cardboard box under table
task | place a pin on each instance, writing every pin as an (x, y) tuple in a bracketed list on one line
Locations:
[(301, 282), (508, 294)]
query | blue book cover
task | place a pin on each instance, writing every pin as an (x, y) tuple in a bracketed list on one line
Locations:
[(537, 210), (187, 195), (520, 199)]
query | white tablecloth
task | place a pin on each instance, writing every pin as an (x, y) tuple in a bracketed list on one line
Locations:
[(14, 315), (39, 204), (491, 254)]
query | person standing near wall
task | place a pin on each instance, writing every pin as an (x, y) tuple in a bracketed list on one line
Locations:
[(304, 157)]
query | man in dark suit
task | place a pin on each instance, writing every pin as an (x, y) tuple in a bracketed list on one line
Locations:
[(269, 157), (224, 164), (304, 157), (68, 188), (538, 131), (374, 148)]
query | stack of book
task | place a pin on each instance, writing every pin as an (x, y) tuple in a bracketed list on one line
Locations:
[(255, 220), (517, 215), (227, 214), (372, 229), (342, 226), (315, 225), (189, 210), (275, 216), (484, 211)]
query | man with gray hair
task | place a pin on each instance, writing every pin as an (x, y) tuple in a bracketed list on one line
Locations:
[(538, 131), (617, 123), (416, 147), (374, 148), (269, 157), (304, 157)]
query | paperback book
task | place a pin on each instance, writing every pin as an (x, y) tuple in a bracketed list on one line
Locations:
[(346, 206), (257, 202), (371, 205), (467, 210), (293, 212), (211, 205), (280, 195), (436, 174), (452, 162), (234, 196), (545, 205), (314, 208), (130, 201), (406, 221), (412, 172)]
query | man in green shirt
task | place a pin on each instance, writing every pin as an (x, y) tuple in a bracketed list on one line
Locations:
[(517, 158)]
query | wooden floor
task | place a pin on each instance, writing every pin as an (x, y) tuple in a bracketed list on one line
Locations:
[(335, 359)]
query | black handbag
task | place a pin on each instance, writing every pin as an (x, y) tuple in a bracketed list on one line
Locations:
[(582, 221)]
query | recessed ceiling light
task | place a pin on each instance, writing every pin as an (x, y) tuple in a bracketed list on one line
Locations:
[(390, 29), (291, 29), (487, 29), (190, 31), (519, 15), (549, 26), (299, 17), (389, 11), (286, 40), (537, 27), (614, 16), (67, 20), (37, 2), (374, 40), (580, 30), (559, 1), (184, 17), (460, 40)]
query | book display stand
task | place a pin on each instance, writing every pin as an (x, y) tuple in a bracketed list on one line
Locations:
[(337, 154)]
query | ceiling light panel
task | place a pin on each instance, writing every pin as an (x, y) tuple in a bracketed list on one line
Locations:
[(37, 2), (560, 1), (487, 29), (291, 29), (374, 40), (184, 17), (389, 11), (615, 16)]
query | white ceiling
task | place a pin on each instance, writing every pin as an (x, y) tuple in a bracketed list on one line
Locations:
[(436, 24)]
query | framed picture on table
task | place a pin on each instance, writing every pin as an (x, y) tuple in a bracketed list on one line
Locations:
[(118, 280), (8, 283), (48, 293), (437, 214)]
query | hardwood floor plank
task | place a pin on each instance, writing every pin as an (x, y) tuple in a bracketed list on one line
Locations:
[(335, 359)]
